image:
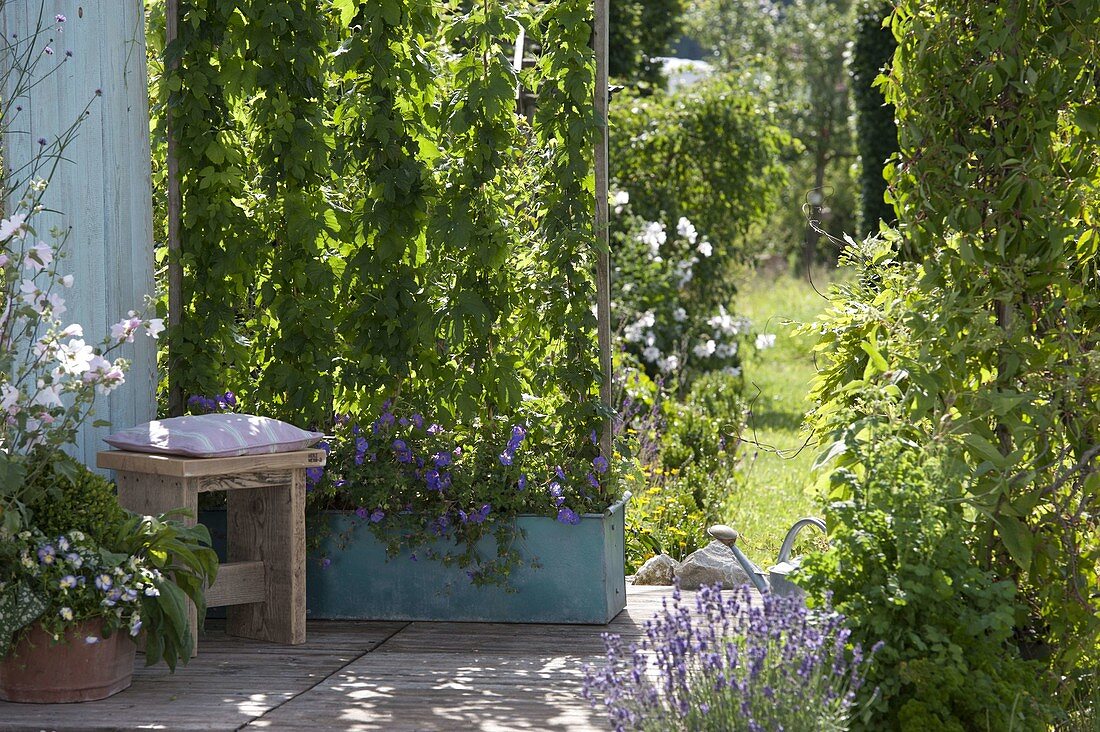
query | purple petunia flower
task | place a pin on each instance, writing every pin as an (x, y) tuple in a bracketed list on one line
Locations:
[(600, 464), (568, 516), (442, 459), (522, 483), (435, 429), (506, 458), (361, 512), (377, 515)]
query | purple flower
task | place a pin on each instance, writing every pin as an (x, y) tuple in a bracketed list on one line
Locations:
[(559, 472), (568, 516), (593, 480), (46, 554), (435, 429), (377, 515), (522, 483), (600, 464), (48, 51), (418, 421), (41, 140), (103, 582), (361, 512), (59, 18), (506, 458), (594, 438), (326, 563), (442, 459)]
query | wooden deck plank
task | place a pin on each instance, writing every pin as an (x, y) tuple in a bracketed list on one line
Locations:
[(233, 681), (365, 676)]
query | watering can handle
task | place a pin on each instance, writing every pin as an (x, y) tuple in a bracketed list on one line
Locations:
[(788, 543)]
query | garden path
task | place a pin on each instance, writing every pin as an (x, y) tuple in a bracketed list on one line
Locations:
[(365, 676)]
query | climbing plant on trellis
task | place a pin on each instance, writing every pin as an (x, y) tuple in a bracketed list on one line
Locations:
[(364, 217)]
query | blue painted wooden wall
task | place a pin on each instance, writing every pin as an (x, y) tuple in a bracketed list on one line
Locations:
[(104, 190)]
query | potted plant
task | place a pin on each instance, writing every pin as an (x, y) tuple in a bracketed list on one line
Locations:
[(411, 520), (70, 606)]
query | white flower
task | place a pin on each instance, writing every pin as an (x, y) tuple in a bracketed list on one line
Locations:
[(732, 370), (48, 395), (104, 374), (651, 353), (66, 613), (72, 331), (75, 357), (9, 398), (38, 257), (765, 340), (679, 315), (684, 269), (705, 248), (654, 236), (91, 640), (669, 364), (155, 326), (57, 304), (30, 293), (633, 332), (124, 329), (726, 350), (686, 229), (67, 280), (10, 226), (704, 349), (619, 199), (723, 321)]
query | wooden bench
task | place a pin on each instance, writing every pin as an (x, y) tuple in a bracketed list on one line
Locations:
[(264, 581)]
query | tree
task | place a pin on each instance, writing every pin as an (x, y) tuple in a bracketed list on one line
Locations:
[(640, 31), (876, 132)]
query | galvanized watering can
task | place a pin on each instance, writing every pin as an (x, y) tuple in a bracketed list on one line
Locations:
[(776, 579)]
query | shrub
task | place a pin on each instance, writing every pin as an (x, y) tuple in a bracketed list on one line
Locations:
[(736, 663), (877, 133), (710, 153), (671, 288), (685, 462), (73, 498), (903, 570)]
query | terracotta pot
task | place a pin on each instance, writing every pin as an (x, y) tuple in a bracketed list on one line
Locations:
[(41, 671)]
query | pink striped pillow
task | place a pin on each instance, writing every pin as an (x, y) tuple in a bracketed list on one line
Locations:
[(213, 435)]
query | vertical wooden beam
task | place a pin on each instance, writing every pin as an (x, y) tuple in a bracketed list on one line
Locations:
[(603, 261), (101, 191), (175, 267)]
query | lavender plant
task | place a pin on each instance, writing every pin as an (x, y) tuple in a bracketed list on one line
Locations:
[(737, 662)]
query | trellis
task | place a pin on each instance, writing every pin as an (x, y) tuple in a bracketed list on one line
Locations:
[(600, 45)]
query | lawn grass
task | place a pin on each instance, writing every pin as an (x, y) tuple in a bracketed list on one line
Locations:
[(777, 488)]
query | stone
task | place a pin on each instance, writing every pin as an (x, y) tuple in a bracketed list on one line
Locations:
[(713, 563), (658, 570)]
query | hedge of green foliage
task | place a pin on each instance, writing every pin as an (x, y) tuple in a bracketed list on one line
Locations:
[(877, 134), (979, 318), (710, 153), (641, 30)]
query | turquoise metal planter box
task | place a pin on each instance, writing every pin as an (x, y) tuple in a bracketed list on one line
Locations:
[(581, 578)]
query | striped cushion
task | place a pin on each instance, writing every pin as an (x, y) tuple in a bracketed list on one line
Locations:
[(213, 435)]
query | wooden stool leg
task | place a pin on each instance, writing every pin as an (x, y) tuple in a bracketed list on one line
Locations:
[(151, 495), (268, 524)]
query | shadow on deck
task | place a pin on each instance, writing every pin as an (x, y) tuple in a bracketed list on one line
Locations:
[(365, 676)]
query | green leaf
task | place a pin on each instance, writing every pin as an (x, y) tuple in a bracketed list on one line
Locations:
[(1018, 540)]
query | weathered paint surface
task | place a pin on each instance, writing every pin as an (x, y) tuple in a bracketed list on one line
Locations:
[(103, 190)]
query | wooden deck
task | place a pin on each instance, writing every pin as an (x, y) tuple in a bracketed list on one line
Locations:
[(364, 676)]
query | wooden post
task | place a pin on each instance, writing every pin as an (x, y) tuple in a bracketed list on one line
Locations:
[(175, 268), (100, 194), (603, 261)]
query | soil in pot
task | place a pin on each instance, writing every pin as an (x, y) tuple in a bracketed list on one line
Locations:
[(40, 670)]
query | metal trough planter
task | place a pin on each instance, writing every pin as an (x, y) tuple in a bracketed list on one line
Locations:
[(581, 578)]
